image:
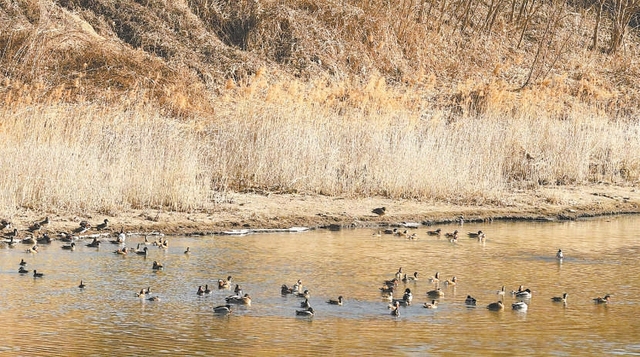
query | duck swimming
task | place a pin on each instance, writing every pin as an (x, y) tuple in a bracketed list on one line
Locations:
[(496, 306), (559, 254), (451, 282), (395, 308), (519, 306), (236, 299), (22, 270), (435, 232), (71, 246), (335, 302), (224, 284), (308, 312), (222, 309), (525, 294), (407, 279), (562, 298), (82, 285), (470, 300), (305, 304), (305, 294), (436, 293), (157, 266), (432, 305), (37, 275), (602, 300)]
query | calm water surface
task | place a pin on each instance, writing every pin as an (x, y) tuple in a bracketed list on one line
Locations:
[(52, 316)]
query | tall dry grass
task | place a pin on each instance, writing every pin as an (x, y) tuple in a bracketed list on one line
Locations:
[(277, 138)]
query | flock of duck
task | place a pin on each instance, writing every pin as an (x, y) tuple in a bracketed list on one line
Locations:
[(388, 290)]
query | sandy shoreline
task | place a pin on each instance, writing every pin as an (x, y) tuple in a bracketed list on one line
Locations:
[(266, 211)]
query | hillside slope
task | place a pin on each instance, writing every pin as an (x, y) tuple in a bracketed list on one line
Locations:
[(182, 53)]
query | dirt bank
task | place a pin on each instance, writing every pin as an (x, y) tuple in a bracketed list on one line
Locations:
[(242, 210)]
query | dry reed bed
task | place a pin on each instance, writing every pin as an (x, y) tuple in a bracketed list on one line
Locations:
[(78, 158)]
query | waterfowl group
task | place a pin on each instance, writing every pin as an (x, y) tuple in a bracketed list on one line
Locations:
[(390, 286)]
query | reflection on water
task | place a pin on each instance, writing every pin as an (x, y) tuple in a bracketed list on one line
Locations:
[(52, 316)]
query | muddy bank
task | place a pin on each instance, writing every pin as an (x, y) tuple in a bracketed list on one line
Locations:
[(267, 211)]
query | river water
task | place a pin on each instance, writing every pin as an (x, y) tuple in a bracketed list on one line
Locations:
[(52, 316)]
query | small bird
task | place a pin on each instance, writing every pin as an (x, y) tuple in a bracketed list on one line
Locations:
[(308, 312), (380, 211), (34, 227), (188, 251), (142, 293), (496, 306), (222, 309), (435, 279), (305, 294), (451, 282), (103, 225), (501, 292), (398, 274), (94, 244), (82, 285), (436, 293), (236, 299), (395, 308), (237, 290), (37, 275), (71, 246), (157, 266), (206, 289), (519, 306), (525, 294), (200, 290), (335, 302), (562, 298), (453, 237), (122, 236), (224, 284), (432, 305), (45, 221), (22, 270), (22, 262), (559, 255), (470, 300), (4, 224), (144, 251), (154, 298), (477, 234), (305, 304), (414, 277), (602, 300), (435, 232)]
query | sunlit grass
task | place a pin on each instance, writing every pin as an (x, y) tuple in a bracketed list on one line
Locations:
[(279, 138)]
